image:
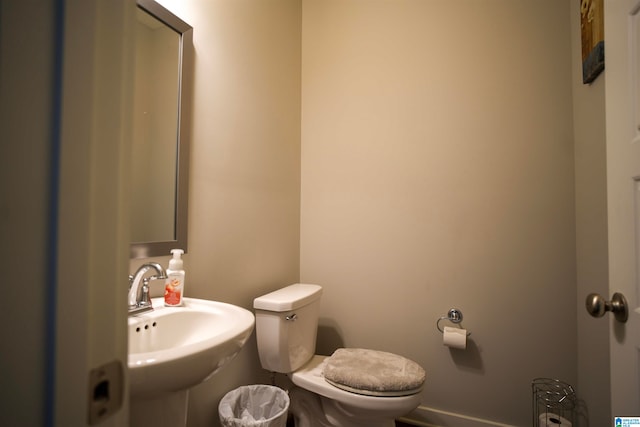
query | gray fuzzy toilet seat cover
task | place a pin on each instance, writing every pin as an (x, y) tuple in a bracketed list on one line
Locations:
[(373, 373)]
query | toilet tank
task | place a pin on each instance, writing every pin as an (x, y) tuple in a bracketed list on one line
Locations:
[(287, 326)]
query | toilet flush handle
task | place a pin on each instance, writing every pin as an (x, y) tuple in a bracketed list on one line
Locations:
[(293, 317)]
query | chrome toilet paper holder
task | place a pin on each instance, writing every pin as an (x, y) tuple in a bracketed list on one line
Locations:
[(454, 316)]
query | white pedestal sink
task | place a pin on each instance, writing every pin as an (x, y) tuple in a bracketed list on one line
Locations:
[(172, 349)]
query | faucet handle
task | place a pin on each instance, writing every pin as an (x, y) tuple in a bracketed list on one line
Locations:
[(146, 295), (145, 298)]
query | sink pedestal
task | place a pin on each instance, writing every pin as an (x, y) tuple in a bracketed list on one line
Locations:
[(166, 410)]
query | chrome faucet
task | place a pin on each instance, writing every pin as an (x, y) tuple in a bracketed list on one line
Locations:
[(139, 298)]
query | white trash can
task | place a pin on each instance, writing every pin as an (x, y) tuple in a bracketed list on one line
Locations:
[(254, 405)]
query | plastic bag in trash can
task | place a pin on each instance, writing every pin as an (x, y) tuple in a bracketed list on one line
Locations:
[(254, 405)]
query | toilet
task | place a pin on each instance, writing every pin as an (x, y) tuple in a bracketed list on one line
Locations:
[(351, 388)]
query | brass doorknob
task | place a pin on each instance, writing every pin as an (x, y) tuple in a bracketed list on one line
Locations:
[(597, 306)]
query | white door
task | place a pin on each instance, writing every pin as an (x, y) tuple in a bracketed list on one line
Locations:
[(93, 247), (622, 81)]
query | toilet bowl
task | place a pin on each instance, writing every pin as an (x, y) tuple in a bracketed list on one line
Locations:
[(286, 328)]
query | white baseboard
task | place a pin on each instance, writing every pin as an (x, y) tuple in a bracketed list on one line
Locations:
[(430, 417)]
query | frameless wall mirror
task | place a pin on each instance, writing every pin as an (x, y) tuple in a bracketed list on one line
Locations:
[(160, 154)]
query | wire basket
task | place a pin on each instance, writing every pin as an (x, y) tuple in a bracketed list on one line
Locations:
[(554, 402)]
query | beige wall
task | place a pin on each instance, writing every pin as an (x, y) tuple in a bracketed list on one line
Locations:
[(245, 165), (437, 172), (591, 233)]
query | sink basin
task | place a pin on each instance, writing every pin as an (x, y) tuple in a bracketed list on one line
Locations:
[(171, 349)]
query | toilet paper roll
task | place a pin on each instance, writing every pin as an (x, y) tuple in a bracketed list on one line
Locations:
[(549, 419), (454, 337)]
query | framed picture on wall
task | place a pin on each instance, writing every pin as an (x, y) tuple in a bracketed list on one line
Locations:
[(592, 32)]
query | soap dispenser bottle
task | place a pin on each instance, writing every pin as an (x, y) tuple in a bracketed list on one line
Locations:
[(174, 285)]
